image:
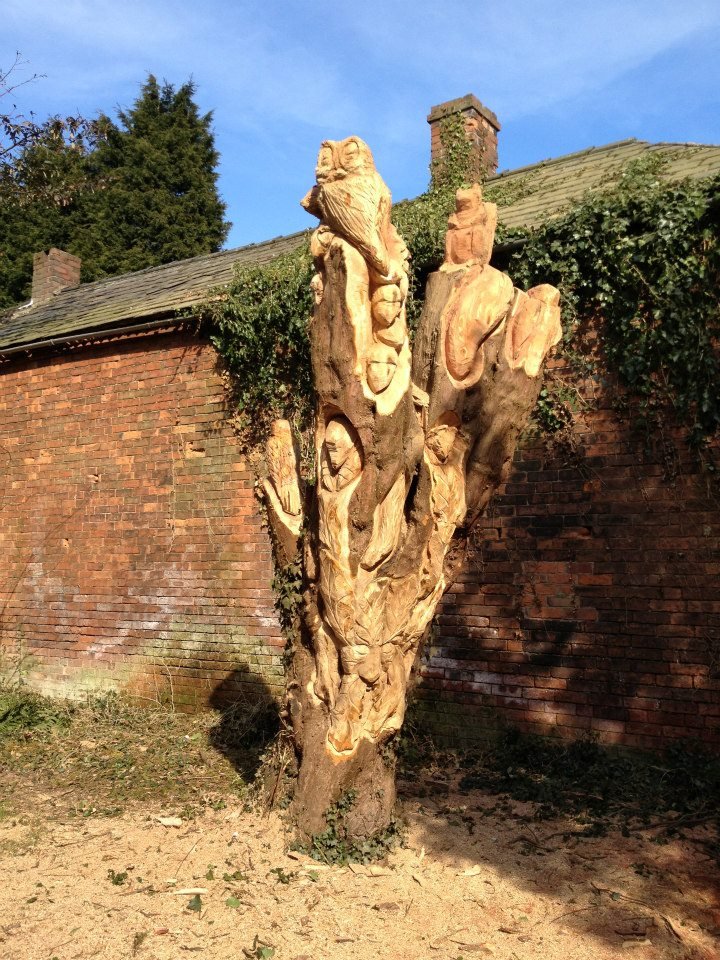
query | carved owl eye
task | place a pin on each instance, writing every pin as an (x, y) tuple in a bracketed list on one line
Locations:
[(352, 155), (325, 163)]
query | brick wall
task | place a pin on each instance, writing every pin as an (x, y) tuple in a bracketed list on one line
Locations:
[(132, 556), (131, 549), (593, 600)]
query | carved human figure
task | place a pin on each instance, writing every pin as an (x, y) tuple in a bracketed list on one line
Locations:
[(471, 229), (342, 461), (441, 437), (283, 467), (445, 448)]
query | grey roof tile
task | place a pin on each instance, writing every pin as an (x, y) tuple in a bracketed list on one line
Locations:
[(144, 294)]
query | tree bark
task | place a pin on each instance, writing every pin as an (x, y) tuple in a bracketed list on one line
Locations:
[(409, 450)]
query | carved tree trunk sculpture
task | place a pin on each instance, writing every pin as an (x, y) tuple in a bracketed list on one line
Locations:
[(409, 449)]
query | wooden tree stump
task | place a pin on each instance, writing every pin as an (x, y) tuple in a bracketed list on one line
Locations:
[(409, 448)]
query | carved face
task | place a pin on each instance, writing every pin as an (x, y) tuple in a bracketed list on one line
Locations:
[(468, 198), (381, 365), (338, 158), (386, 304), (338, 442), (325, 162), (441, 436), (317, 287), (440, 441)]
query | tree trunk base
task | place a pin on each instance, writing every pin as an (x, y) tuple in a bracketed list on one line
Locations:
[(368, 776)]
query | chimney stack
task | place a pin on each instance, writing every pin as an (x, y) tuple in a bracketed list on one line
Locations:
[(53, 272), (481, 129)]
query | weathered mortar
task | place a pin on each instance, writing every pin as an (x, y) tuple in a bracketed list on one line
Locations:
[(133, 556)]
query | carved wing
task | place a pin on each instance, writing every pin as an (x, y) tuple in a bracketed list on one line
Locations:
[(357, 208), (387, 526), (534, 328)]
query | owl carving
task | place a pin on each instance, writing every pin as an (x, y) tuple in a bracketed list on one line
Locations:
[(283, 468), (351, 198)]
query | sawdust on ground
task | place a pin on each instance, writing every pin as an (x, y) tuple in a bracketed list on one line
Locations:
[(220, 883)]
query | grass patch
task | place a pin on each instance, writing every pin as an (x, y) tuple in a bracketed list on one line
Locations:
[(108, 753), (22, 711)]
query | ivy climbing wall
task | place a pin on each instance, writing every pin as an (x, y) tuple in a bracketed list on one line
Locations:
[(132, 555)]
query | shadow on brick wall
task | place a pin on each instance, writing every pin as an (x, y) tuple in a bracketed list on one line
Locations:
[(249, 719)]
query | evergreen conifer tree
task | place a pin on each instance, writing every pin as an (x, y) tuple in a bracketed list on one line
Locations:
[(157, 199), (145, 193), (38, 209)]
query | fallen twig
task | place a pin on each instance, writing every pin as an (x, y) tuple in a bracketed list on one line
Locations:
[(689, 820), (177, 869), (571, 912), (271, 802)]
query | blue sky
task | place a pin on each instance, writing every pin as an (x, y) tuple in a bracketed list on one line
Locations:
[(282, 76)]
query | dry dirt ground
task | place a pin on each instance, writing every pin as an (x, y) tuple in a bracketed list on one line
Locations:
[(116, 843)]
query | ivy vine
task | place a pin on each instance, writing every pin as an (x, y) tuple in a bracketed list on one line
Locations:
[(637, 265), (259, 326)]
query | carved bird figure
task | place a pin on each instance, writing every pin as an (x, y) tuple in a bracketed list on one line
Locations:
[(352, 199)]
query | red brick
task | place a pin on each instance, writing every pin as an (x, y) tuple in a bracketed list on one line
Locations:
[(129, 556)]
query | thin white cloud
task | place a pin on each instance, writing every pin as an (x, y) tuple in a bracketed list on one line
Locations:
[(242, 55), (521, 54), (282, 74)]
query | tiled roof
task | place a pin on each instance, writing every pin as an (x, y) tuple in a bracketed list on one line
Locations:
[(130, 297), (526, 196), (542, 190)]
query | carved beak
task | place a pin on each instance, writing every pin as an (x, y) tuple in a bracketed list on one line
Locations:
[(311, 204)]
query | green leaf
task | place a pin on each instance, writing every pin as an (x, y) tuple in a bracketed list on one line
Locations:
[(195, 904), (232, 902)]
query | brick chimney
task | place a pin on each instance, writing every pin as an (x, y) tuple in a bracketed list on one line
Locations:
[(481, 129), (53, 272)]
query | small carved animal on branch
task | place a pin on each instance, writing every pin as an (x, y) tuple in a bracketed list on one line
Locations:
[(409, 449)]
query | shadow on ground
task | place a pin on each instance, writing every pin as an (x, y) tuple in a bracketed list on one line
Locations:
[(630, 884), (248, 722), (561, 865)]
